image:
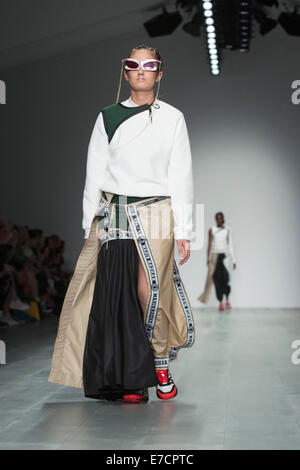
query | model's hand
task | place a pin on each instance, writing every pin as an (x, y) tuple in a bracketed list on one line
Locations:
[(183, 250)]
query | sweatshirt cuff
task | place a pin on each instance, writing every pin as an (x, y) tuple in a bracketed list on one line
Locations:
[(182, 234)]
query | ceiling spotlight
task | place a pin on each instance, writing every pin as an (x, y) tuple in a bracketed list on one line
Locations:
[(163, 24), (265, 24), (290, 22), (194, 27)]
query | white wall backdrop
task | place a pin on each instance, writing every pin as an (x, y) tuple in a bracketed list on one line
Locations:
[(244, 133)]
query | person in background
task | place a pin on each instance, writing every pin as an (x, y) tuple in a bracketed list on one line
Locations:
[(220, 245), (30, 270)]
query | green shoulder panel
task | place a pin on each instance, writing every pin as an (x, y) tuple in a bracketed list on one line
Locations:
[(117, 113)]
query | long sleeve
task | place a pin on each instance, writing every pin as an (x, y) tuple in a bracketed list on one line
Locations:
[(180, 182), (97, 155), (230, 247)]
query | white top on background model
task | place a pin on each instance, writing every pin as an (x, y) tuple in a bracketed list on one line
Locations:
[(222, 241), (145, 157)]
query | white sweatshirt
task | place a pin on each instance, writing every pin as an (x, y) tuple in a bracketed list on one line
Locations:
[(143, 158), (222, 241)]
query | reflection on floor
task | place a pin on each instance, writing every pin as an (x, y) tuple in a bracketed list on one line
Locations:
[(238, 389)]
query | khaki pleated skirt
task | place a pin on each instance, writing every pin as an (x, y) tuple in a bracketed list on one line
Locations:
[(152, 231)]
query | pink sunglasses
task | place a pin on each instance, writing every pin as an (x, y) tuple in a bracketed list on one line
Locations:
[(147, 64)]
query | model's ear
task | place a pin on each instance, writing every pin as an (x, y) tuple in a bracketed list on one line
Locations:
[(126, 75), (159, 76)]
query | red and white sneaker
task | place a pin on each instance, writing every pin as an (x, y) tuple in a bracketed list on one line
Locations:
[(166, 389), (221, 307), (228, 306), (141, 396)]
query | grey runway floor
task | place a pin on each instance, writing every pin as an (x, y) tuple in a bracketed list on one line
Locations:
[(238, 389)]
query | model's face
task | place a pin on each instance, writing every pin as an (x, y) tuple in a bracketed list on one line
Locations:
[(219, 220), (141, 80)]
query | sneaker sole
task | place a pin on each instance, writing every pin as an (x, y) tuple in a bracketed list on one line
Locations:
[(132, 398), (167, 396)]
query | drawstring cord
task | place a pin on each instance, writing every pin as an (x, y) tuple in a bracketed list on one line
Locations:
[(155, 105)]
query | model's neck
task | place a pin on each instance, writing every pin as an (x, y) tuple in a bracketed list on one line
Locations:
[(142, 98)]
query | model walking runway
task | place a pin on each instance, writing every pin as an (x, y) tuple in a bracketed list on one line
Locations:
[(126, 313)]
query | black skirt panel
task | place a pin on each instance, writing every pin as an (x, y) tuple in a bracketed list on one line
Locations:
[(118, 357)]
